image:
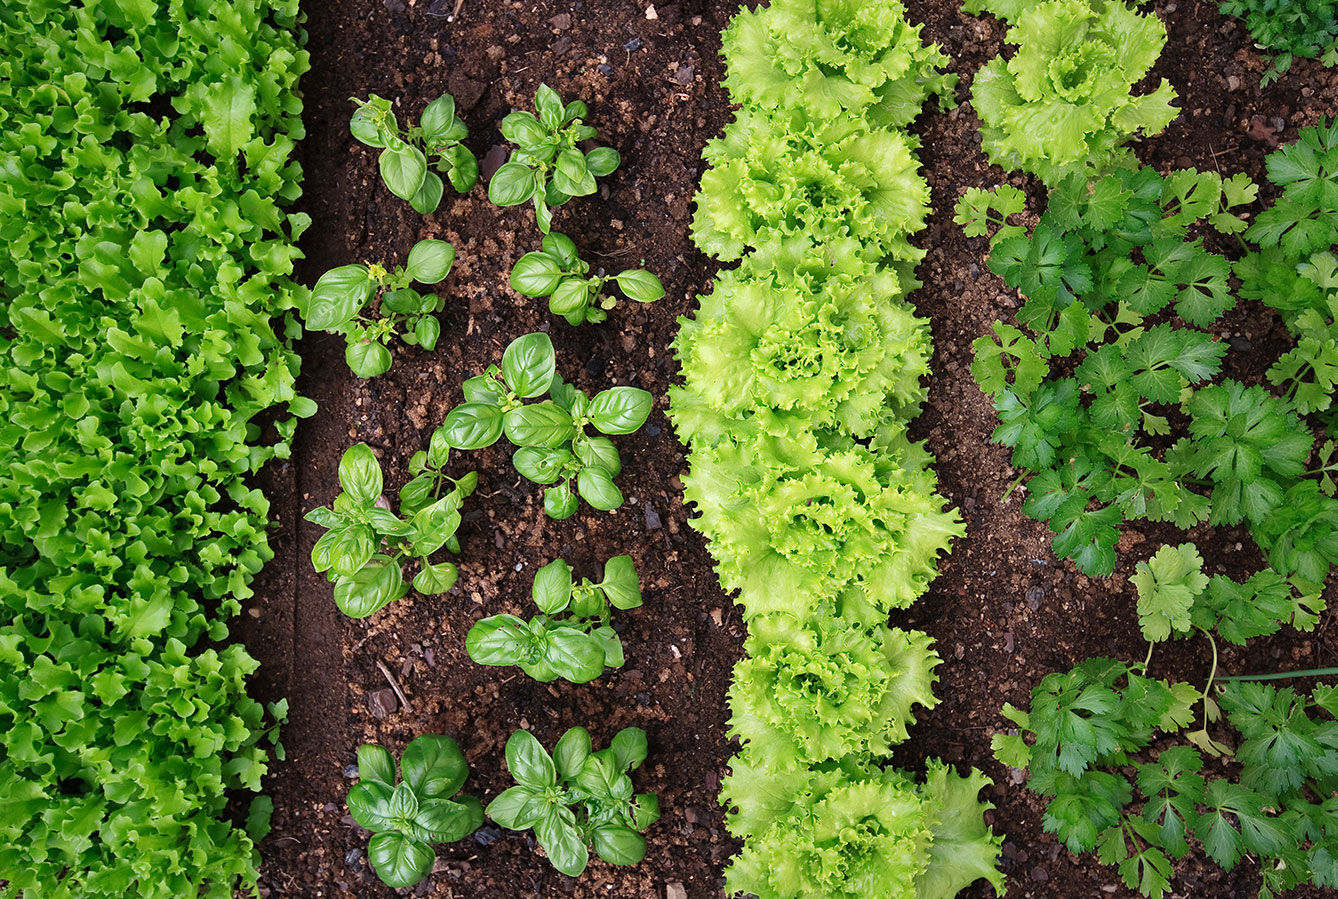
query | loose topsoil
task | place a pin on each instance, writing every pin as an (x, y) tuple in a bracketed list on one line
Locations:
[(1004, 612)]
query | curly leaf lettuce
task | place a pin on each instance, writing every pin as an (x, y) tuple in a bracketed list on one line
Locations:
[(1063, 102)]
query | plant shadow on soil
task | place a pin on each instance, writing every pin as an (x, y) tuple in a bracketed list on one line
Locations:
[(1004, 612)]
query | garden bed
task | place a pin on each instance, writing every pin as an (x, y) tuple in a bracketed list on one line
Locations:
[(1004, 612)]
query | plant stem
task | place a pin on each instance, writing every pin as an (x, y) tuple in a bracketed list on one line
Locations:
[(1283, 675), (1013, 486)]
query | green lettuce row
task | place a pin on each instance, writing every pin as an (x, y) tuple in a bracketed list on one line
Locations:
[(145, 161), (801, 370)]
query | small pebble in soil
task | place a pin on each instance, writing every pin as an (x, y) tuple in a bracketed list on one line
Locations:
[(604, 68), (486, 836), (382, 703), (653, 522), (1035, 596), (684, 75), (634, 44), (354, 857), (652, 431), (350, 771), (1240, 344), (675, 890)]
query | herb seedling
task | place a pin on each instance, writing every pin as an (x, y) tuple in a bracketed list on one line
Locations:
[(576, 646), (557, 272), (341, 294), (405, 154), (578, 798), (366, 546), (405, 818), (554, 448), (547, 167)]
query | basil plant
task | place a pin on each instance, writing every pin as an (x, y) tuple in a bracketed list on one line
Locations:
[(572, 639), (554, 448), (557, 272), (576, 798), (367, 545), (340, 299), (405, 155), (407, 816), (547, 167)]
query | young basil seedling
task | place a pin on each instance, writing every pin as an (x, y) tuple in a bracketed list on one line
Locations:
[(547, 167), (367, 545), (341, 294), (405, 154), (578, 798), (572, 638), (405, 818), (554, 448), (557, 272)]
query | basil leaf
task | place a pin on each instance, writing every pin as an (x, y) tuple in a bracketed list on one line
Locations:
[(338, 296), (559, 502), (629, 748), (574, 655), (438, 120), (472, 426), (571, 176), (640, 285), (645, 810), (599, 452), (598, 489), (484, 389), (602, 161), (402, 168), (511, 185), (399, 861), (372, 588), (618, 845), (535, 275), (367, 359), (540, 464), (569, 297), (445, 821), (436, 524), (438, 449), (576, 109), (551, 590), (563, 844), (611, 644), (527, 761), (323, 516), (387, 523), (523, 129), (498, 640), (430, 261), (348, 548), (462, 167), (404, 300), (507, 809), (434, 579), (562, 249), (539, 424), (620, 584), (416, 494), (360, 474), (362, 125), (427, 331), (369, 800), (571, 751), (620, 410), (376, 765), (428, 196), (543, 215), (528, 365), (550, 107), (434, 766), (403, 802)]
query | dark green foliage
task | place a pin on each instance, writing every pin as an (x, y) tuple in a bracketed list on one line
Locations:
[(572, 639), (145, 297), (405, 155), (407, 816), (1289, 29), (553, 446), (548, 167), (578, 798), (557, 272), (366, 545), (1115, 345)]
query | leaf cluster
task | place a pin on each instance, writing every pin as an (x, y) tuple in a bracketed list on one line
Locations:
[(1087, 394), (341, 296), (405, 155), (548, 167), (1063, 102), (406, 816), (577, 798), (557, 272), (1086, 743), (572, 638), (1290, 29), (801, 370), (553, 447), (366, 546)]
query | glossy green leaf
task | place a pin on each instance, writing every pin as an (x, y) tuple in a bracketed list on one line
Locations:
[(538, 424), (430, 261), (368, 359), (511, 185), (620, 410), (640, 285), (472, 426), (376, 765), (527, 761), (372, 588), (621, 584), (360, 474), (597, 488), (434, 767), (338, 296), (535, 275), (403, 168), (528, 365), (399, 861), (498, 640), (551, 590)]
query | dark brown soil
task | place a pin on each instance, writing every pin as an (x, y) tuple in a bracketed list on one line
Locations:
[(1004, 612)]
